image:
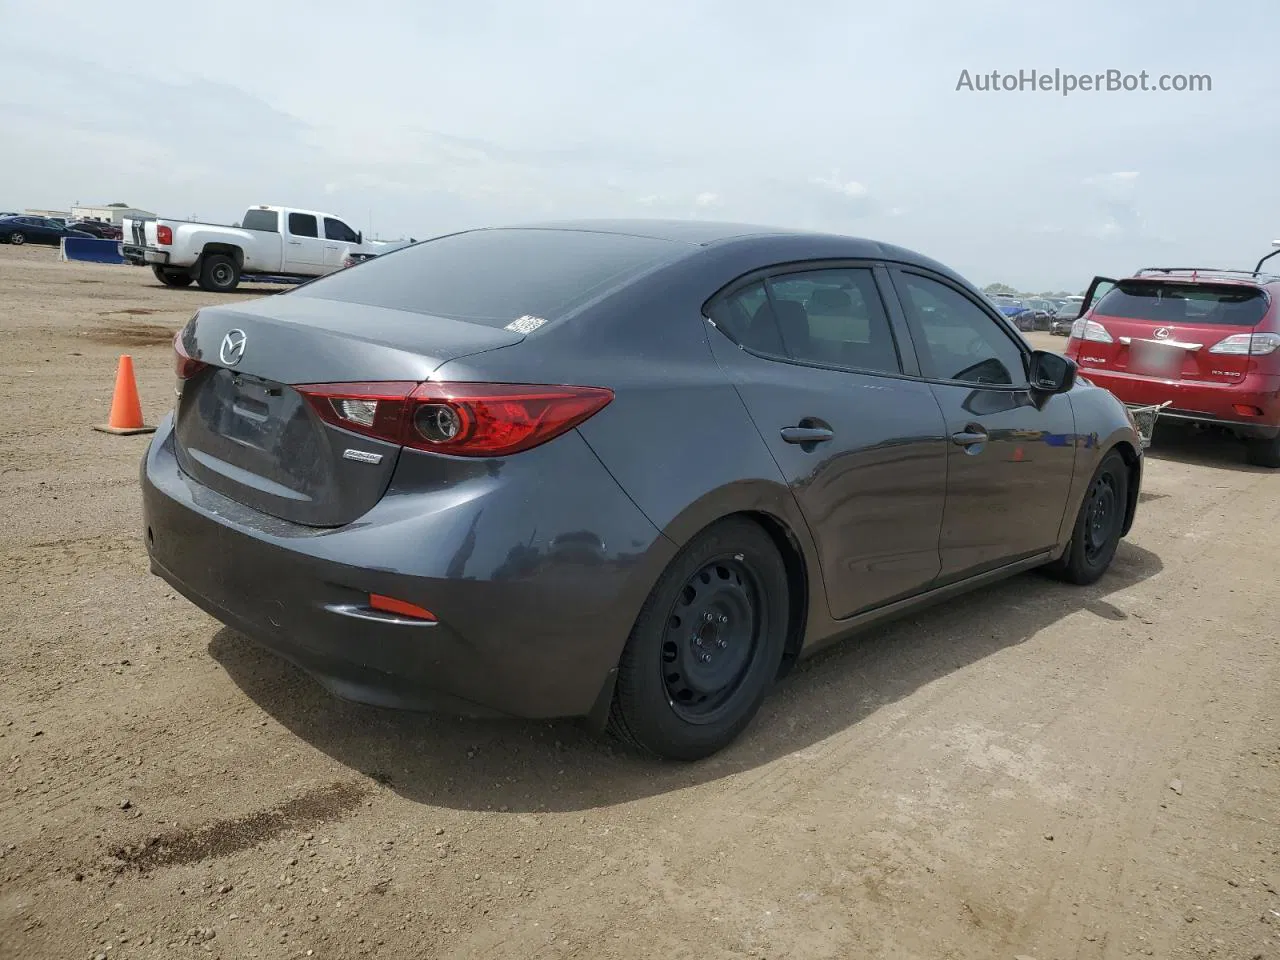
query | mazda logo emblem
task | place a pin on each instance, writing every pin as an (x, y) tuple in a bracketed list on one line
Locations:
[(232, 349), (1161, 334)]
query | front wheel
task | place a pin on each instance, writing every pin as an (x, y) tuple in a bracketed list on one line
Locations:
[(1263, 452), (1096, 534), (219, 274), (17, 239), (706, 647)]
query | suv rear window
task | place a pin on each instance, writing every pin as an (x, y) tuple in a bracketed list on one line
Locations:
[(1158, 302), (496, 276)]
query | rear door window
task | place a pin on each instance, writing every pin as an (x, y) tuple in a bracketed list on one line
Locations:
[(829, 317), (1157, 302), (303, 225), (497, 277)]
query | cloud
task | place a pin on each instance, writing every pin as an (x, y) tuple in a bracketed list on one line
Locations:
[(849, 188)]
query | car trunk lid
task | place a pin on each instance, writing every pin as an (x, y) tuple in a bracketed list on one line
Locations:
[(1173, 329), (242, 428)]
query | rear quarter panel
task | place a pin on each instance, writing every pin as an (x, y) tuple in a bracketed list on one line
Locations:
[(677, 437)]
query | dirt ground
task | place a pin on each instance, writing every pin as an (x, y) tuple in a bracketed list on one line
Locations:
[(1034, 771)]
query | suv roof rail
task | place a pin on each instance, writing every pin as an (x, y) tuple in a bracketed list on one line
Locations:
[(1226, 274)]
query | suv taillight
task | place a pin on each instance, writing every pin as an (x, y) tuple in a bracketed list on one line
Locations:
[(1247, 344), (164, 235), (1090, 330)]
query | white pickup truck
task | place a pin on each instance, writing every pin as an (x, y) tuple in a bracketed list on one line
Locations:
[(271, 243)]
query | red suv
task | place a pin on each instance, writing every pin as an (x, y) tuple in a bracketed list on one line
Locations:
[(1205, 341)]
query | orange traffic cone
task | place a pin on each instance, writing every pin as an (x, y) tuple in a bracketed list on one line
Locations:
[(126, 410)]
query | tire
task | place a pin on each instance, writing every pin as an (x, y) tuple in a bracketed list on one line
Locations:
[(172, 278), (219, 273), (17, 239), (1094, 538), (1263, 453), (706, 647)]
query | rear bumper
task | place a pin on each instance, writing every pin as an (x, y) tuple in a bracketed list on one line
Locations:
[(1200, 402), (143, 256), (531, 624)]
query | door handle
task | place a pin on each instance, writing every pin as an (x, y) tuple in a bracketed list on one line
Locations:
[(807, 434), (969, 436), (295, 243)]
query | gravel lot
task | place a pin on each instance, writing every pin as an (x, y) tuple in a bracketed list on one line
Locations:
[(1035, 771)]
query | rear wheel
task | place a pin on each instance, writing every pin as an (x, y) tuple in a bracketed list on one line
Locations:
[(172, 278), (1263, 453), (219, 273), (706, 646), (1096, 533), (17, 238)]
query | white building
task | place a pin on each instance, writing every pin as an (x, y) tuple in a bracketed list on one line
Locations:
[(47, 214), (109, 213)]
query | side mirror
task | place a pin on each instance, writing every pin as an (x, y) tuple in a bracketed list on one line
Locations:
[(1051, 372), (360, 237)]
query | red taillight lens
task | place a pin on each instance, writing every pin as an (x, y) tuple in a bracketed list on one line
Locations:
[(164, 235), (460, 419), (184, 365)]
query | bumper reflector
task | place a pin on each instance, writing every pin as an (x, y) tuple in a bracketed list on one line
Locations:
[(400, 608), (1247, 411)]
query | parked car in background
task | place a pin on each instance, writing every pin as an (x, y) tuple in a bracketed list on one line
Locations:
[(1018, 312), (103, 231), (1041, 312), (271, 241), (1205, 341), (435, 480), (23, 229)]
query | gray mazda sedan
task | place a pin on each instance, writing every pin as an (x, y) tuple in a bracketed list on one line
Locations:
[(625, 471)]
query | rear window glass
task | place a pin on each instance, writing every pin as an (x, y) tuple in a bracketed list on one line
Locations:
[(267, 220), (496, 277), (1184, 303)]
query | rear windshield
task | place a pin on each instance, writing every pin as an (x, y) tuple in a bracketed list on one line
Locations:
[(496, 277), (1232, 306), (267, 220)]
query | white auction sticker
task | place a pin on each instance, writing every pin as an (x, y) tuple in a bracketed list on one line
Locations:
[(525, 324)]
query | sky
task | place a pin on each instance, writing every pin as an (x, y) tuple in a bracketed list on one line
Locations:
[(414, 118)]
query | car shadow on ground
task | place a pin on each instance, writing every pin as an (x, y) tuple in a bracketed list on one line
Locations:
[(516, 766), (1183, 443)]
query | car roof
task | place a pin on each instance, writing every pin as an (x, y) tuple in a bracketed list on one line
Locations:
[(768, 241)]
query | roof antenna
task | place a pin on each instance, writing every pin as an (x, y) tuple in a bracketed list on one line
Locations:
[(1276, 252)]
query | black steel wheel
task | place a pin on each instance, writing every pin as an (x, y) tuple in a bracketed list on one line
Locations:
[(219, 273), (706, 646), (1097, 531)]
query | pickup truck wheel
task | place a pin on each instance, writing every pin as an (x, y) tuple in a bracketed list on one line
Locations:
[(172, 278), (219, 274), (17, 239)]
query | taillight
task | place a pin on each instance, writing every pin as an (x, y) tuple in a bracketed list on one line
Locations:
[(164, 235), (1090, 330), (1248, 344), (460, 419), (184, 365)]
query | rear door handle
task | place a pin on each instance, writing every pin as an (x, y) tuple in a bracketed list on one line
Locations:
[(807, 434), (969, 436)]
